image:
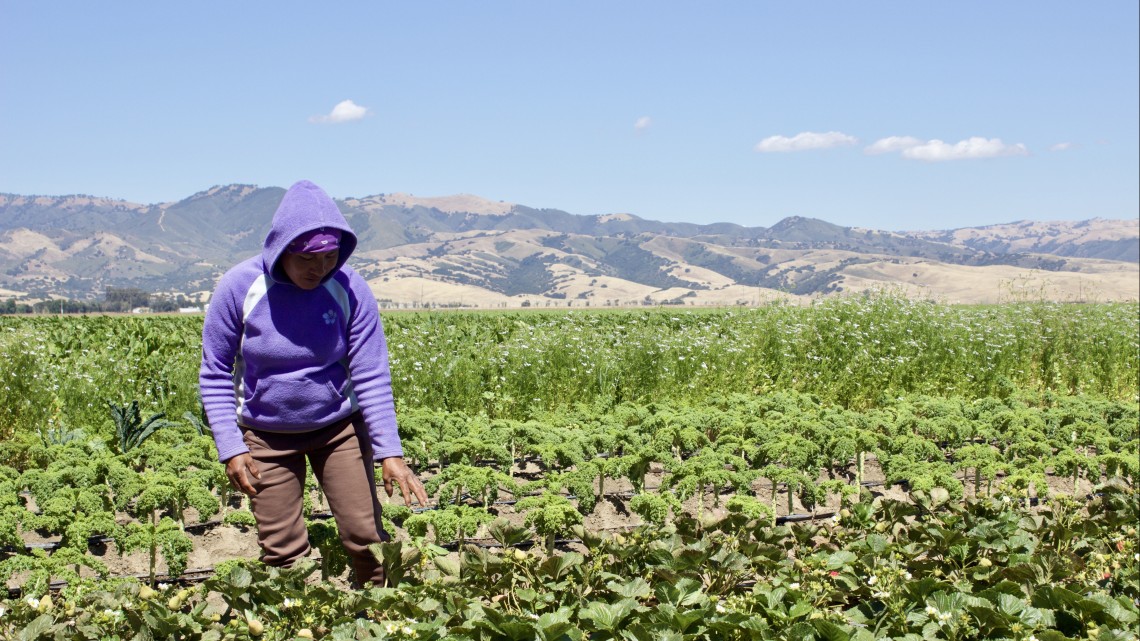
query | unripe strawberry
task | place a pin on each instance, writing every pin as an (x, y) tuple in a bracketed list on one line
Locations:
[(305, 633), (255, 627), (146, 592), (984, 562)]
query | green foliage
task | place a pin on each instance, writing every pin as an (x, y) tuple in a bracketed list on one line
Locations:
[(654, 508), (240, 519), (130, 428), (710, 469), (158, 537), (483, 483), (973, 569), (38, 569), (550, 514), (850, 352), (166, 492), (937, 395), (471, 449), (325, 537), (453, 523), (12, 512)]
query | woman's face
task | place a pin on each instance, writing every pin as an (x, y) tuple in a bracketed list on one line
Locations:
[(308, 270)]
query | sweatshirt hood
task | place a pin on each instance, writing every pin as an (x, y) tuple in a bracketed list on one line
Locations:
[(304, 208)]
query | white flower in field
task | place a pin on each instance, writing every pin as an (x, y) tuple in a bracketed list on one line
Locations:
[(882, 594), (720, 609), (391, 628), (3, 610), (872, 580), (33, 602), (932, 611), (794, 586), (287, 603)]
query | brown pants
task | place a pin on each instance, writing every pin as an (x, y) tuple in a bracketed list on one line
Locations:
[(341, 456)]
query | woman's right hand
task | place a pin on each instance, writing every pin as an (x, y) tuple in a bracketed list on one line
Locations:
[(239, 469)]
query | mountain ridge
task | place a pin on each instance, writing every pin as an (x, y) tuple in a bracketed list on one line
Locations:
[(471, 251)]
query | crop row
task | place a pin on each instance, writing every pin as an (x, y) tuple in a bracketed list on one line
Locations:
[(932, 569), (791, 445)]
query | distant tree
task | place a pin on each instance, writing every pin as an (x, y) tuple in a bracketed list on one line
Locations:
[(123, 299)]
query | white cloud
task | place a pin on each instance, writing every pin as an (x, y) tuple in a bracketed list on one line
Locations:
[(642, 123), (1062, 146), (344, 111), (891, 144), (804, 141), (974, 147)]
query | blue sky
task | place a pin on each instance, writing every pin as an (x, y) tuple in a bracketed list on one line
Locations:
[(889, 115)]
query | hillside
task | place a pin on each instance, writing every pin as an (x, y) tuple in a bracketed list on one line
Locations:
[(466, 250)]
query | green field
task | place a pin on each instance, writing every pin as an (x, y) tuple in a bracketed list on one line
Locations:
[(1008, 436)]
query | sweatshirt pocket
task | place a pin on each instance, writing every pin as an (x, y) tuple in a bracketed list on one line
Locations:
[(297, 401)]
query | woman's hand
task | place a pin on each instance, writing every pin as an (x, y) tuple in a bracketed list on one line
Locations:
[(395, 469), (239, 469)]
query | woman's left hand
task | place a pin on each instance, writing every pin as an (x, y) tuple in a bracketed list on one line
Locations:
[(395, 469)]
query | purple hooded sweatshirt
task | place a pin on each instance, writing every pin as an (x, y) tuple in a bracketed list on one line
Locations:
[(279, 358)]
